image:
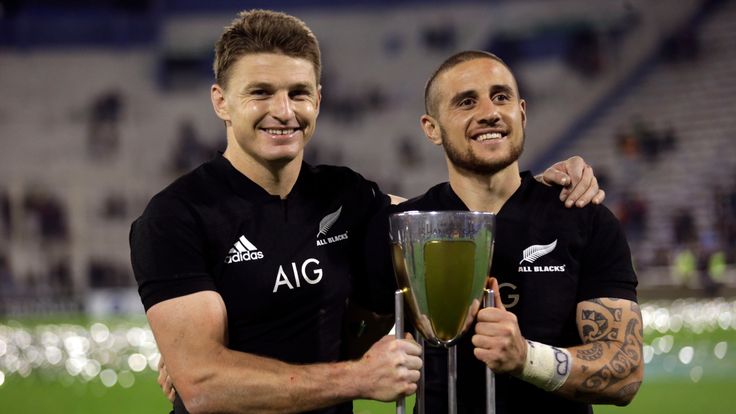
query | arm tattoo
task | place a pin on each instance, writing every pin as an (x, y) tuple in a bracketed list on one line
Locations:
[(595, 327), (596, 322), (629, 390), (563, 362), (591, 354)]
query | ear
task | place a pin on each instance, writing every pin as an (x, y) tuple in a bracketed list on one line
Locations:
[(217, 95), (319, 98), (431, 129), (522, 107)]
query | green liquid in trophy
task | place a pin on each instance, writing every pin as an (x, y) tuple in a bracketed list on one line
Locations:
[(449, 267)]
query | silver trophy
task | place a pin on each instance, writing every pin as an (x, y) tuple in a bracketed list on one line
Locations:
[(442, 260)]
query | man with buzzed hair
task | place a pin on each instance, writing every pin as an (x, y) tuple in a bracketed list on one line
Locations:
[(566, 330), (245, 264)]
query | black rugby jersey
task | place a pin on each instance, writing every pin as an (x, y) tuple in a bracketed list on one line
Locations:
[(284, 267), (586, 257)]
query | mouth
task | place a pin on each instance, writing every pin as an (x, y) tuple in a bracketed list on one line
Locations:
[(489, 136), (281, 132)]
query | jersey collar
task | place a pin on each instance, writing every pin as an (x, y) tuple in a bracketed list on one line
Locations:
[(247, 188), (450, 201)]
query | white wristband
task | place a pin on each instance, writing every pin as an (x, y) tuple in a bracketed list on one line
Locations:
[(545, 366)]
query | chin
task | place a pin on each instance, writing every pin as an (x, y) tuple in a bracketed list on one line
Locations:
[(283, 158)]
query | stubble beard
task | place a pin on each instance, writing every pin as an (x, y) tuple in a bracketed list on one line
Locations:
[(469, 161)]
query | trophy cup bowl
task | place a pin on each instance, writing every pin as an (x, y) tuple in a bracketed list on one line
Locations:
[(442, 260)]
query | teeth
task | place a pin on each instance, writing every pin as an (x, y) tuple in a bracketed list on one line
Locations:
[(490, 135), (280, 131)]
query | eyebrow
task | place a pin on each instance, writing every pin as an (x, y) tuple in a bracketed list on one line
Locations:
[(301, 85), (502, 88), (269, 86)]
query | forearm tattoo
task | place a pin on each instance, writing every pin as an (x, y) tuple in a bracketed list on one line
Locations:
[(592, 354), (596, 322), (599, 326), (562, 362)]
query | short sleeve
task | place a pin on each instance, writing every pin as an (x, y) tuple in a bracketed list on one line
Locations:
[(606, 267), (167, 253)]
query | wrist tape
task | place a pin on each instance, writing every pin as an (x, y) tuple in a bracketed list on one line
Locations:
[(545, 366)]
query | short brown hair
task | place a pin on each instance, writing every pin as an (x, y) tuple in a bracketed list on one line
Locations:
[(430, 98), (264, 31)]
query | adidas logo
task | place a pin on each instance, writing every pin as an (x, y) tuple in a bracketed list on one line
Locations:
[(243, 251)]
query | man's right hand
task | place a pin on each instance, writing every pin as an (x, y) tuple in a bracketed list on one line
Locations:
[(498, 341), (390, 368)]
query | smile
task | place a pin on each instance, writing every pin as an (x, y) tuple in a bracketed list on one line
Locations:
[(274, 131), (488, 136)]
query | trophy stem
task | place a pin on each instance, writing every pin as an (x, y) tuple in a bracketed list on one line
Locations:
[(488, 301), (420, 387), (399, 332), (452, 380)]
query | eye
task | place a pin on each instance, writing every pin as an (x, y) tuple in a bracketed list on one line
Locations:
[(501, 98), (466, 102), (259, 92), (299, 94)]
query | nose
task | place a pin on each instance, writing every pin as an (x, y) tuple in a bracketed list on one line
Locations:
[(281, 107), (488, 112)]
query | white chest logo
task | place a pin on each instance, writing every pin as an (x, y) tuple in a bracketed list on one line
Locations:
[(313, 277), (536, 251), (243, 251), (328, 221), (324, 226)]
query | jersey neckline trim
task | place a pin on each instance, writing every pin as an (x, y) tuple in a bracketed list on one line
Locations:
[(449, 199), (242, 185)]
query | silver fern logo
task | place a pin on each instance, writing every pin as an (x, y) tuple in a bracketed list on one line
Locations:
[(324, 226), (536, 251), (328, 221)]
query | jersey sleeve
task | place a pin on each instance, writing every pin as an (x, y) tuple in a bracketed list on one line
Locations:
[(607, 270), (373, 276), (167, 253)]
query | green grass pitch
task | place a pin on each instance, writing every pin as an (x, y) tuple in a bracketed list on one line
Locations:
[(690, 369)]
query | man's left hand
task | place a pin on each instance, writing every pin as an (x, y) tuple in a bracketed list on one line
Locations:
[(580, 186)]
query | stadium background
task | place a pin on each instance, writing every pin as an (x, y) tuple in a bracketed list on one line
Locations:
[(103, 103)]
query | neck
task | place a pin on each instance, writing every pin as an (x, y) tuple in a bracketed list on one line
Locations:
[(277, 178), (483, 192)]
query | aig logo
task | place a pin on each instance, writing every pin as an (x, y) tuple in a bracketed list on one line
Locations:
[(508, 298), (310, 273)]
